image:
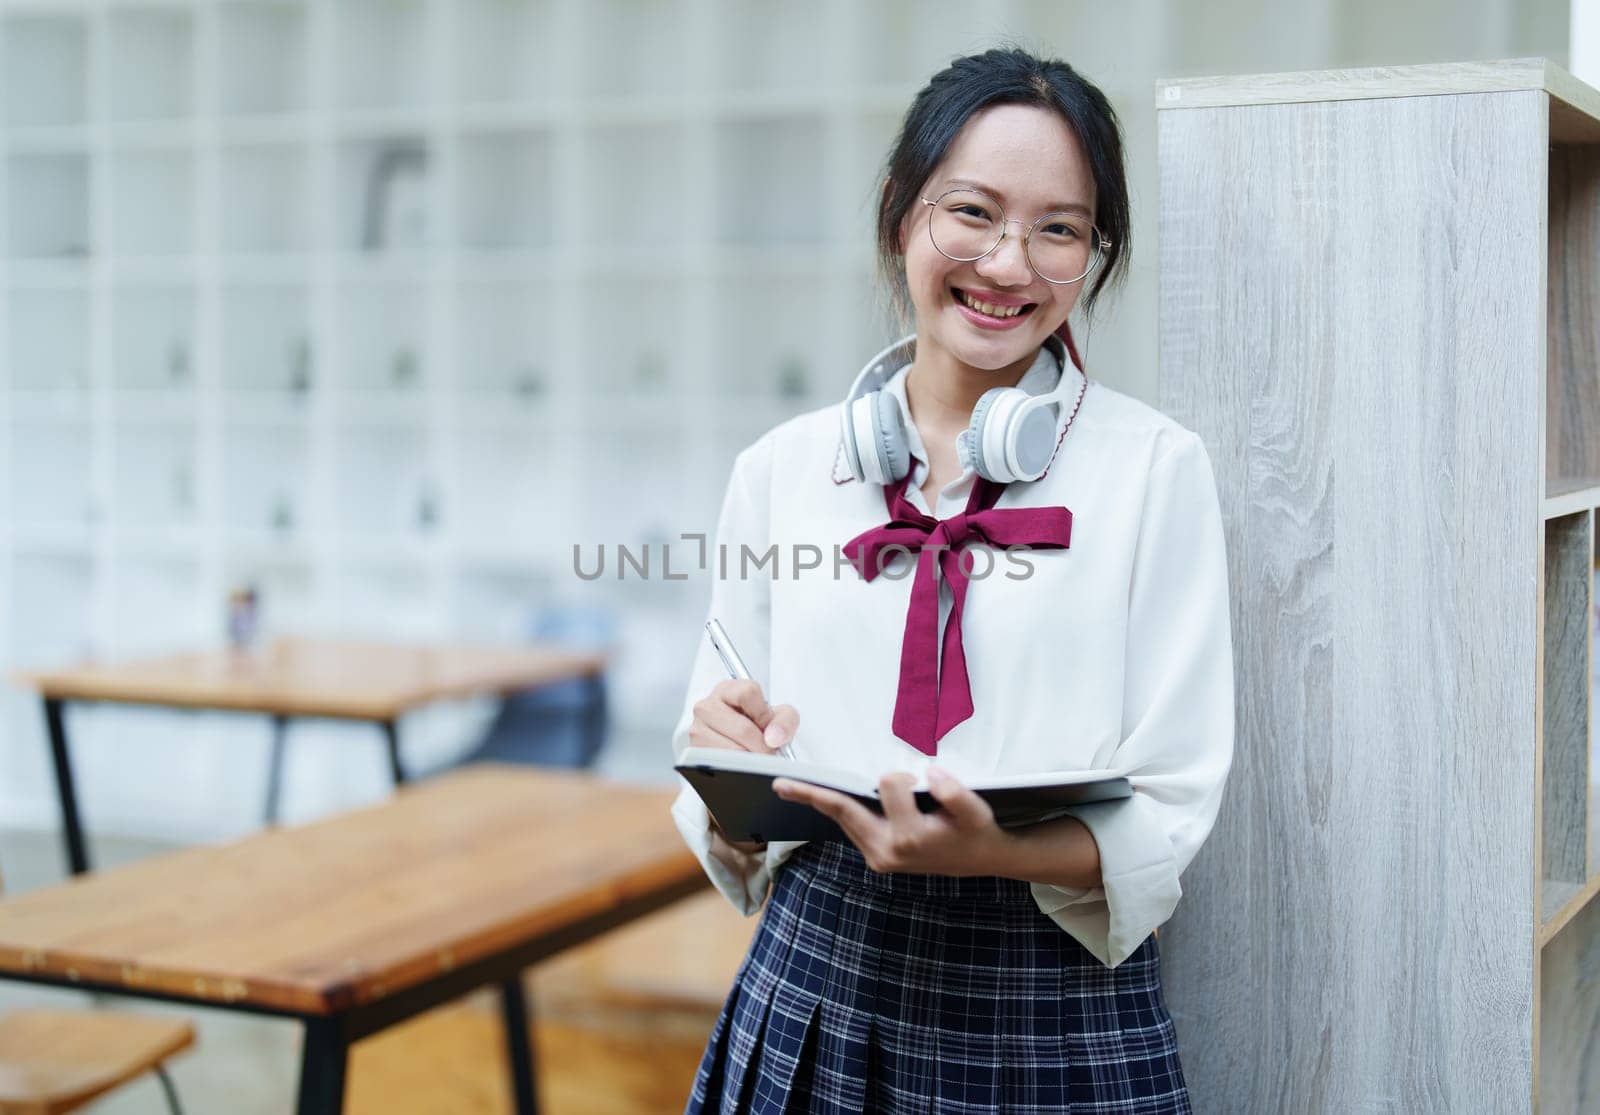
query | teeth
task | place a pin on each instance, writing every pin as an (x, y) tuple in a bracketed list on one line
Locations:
[(986, 308)]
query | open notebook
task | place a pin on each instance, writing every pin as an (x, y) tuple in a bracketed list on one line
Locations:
[(737, 788)]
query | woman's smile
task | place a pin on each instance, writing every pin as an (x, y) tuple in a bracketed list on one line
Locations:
[(990, 309)]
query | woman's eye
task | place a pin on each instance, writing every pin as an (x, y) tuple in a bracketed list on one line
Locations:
[(1065, 231), (973, 211)]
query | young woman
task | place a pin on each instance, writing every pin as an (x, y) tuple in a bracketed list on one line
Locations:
[(936, 961)]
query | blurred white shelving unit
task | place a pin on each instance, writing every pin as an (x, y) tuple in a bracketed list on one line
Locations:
[(381, 304)]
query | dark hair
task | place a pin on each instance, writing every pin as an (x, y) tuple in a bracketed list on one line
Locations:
[(1008, 76)]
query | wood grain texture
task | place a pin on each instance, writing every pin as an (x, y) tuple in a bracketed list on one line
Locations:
[(1572, 404), (1379, 83), (1568, 564), (340, 678), (1358, 933), (54, 1061), (355, 908), (1569, 1003)]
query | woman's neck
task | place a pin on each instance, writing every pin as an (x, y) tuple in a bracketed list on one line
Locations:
[(941, 391)]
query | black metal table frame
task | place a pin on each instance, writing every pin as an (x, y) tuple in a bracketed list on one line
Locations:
[(328, 1037), (66, 788)]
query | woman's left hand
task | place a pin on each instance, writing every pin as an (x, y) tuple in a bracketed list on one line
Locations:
[(960, 838)]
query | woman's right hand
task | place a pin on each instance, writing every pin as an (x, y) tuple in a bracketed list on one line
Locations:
[(735, 715)]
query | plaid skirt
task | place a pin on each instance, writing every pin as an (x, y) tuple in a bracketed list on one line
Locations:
[(927, 993)]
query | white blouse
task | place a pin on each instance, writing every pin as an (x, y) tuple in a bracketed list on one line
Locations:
[(1113, 653)]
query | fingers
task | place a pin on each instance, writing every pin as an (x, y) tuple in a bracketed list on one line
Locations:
[(781, 725), (899, 805), (859, 823), (719, 723), (736, 714), (745, 695), (965, 808)]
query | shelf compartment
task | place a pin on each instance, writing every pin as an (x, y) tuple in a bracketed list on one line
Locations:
[(56, 486), (782, 46), (46, 61), (263, 59), (505, 195), (266, 340), (382, 49), (1572, 399), (152, 64), (912, 39), (48, 202), (1569, 1016), (504, 52), (153, 333), (540, 513), (155, 476), (266, 481), (49, 339), (384, 195), (635, 354), (770, 182), (504, 343), (152, 203), (52, 602), (634, 193), (769, 347), (383, 484), (1594, 718), (267, 204), (1568, 608), (383, 338), (645, 47)]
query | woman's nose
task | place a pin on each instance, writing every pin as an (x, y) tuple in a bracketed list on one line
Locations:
[(1008, 262)]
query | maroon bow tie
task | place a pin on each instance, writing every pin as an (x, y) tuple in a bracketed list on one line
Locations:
[(922, 712)]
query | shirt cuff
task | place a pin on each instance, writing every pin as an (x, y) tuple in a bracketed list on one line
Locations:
[(741, 877), (1138, 881)]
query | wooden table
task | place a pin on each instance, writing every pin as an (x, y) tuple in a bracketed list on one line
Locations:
[(361, 921), (339, 679)]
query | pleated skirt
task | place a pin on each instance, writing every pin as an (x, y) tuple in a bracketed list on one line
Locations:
[(927, 993)]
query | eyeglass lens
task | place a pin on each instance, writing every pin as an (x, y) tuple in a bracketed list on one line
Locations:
[(967, 225)]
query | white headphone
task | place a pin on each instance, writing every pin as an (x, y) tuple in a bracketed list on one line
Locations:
[(1012, 435)]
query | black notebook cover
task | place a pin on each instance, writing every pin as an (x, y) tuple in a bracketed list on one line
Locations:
[(748, 811)]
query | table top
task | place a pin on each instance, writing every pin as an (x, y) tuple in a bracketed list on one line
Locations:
[(344, 678), (345, 911)]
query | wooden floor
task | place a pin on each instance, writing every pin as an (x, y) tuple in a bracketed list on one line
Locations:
[(619, 1027)]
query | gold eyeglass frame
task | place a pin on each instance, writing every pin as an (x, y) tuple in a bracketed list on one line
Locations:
[(1100, 248)]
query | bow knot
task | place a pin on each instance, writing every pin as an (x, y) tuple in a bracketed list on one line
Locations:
[(931, 699)]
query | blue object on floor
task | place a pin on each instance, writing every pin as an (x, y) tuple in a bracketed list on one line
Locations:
[(563, 724)]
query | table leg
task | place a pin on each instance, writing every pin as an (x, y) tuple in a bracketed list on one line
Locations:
[(280, 731), (391, 735), (71, 827), (322, 1064), (514, 1008)]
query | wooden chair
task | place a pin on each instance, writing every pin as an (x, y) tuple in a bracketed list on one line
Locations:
[(54, 1061)]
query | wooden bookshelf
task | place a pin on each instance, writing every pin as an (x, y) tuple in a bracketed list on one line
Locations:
[(1378, 308)]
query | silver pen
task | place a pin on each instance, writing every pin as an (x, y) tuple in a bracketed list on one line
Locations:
[(732, 662)]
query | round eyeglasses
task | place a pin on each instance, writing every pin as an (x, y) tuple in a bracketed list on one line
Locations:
[(967, 225)]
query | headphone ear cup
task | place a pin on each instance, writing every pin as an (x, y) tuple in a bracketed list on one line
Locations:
[(895, 447), (969, 446)]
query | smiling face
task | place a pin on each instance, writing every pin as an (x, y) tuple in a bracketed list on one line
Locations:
[(1031, 162)]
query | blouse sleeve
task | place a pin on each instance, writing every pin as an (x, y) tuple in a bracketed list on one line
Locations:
[(1177, 720), (743, 605)]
